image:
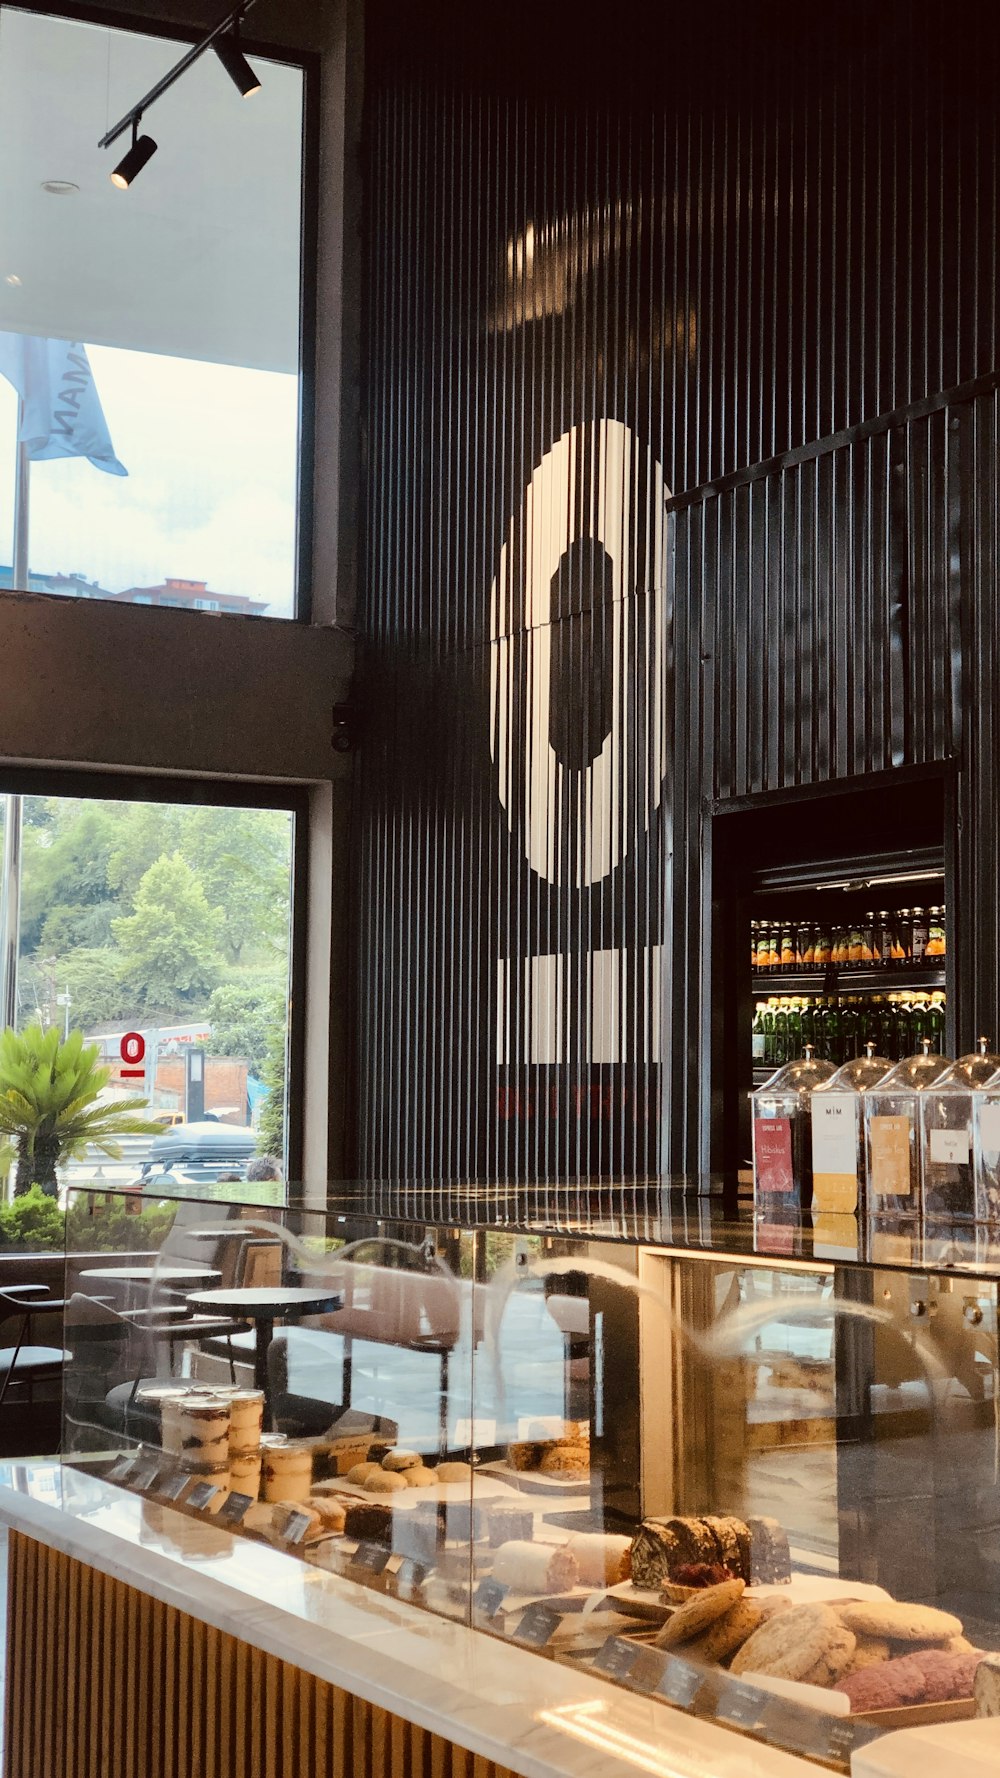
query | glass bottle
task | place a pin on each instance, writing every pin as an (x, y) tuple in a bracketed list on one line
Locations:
[(794, 1030), (834, 1051), (808, 1017), (787, 952), (824, 947), (986, 1150), (757, 1035), (868, 940), (904, 934), (947, 1176), (892, 1134), (936, 946), (898, 951), (840, 1171), (809, 948), (781, 1034), (920, 935), (782, 1136), (936, 1023), (883, 937)]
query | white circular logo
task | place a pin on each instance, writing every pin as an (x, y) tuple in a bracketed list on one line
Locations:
[(594, 517)]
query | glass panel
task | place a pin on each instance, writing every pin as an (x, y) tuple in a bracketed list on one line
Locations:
[(154, 331)]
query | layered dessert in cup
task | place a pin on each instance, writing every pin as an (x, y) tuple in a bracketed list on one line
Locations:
[(287, 1469), (204, 1431)]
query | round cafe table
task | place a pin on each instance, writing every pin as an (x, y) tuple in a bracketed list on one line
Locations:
[(264, 1306), (149, 1274)]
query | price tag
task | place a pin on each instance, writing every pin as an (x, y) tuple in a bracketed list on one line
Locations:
[(201, 1494), (772, 1155), (841, 1738), (144, 1477), (616, 1657), (122, 1470), (647, 1669), (370, 1558), (680, 1682), (950, 1148), (537, 1624), (410, 1575), (235, 1508), (740, 1704), (488, 1597), (295, 1527), (173, 1486)]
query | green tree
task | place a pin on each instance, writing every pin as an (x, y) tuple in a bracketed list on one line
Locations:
[(49, 1104), (244, 1016), (97, 986), (243, 857), (170, 944), (65, 876), (271, 1129)]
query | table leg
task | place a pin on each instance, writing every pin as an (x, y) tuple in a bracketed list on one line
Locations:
[(263, 1331)]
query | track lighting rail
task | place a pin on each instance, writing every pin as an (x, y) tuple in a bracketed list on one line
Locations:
[(132, 116)]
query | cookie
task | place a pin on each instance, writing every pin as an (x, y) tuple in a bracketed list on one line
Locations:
[(894, 1622), (419, 1477), (384, 1481), (869, 1651), (726, 1635), (394, 1460), (793, 1643), (986, 1686), (835, 1659), (696, 1614)]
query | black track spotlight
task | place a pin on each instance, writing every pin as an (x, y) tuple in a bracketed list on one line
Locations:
[(142, 150), (236, 65)]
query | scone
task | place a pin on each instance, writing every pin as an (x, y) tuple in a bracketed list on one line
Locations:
[(331, 1513), (398, 1460), (360, 1473), (419, 1477), (385, 1481), (454, 1472)]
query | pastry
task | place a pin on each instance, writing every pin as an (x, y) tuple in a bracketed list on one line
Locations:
[(419, 1477), (655, 1551), (528, 1455), (385, 1481), (986, 1686), (246, 1418), (793, 1643), (535, 1568), (361, 1472), (331, 1513), (244, 1469), (724, 1529), (697, 1613), (690, 1577), (370, 1521), (394, 1460), (726, 1634), (601, 1558), (928, 1676), (885, 1618), (454, 1472), (203, 1430), (566, 1459)]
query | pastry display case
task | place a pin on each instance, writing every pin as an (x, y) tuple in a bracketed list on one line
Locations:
[(745, 1467)]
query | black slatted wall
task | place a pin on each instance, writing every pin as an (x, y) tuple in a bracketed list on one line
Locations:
[(608, 282)]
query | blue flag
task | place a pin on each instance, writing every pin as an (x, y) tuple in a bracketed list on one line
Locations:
[(62, 414)]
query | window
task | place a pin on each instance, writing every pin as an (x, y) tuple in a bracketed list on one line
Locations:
[(172, 920), (179, 298)]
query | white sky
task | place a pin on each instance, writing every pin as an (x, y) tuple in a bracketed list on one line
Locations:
[(210, 451)]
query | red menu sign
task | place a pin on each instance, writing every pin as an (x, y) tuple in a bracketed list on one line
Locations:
[(772, 1155)]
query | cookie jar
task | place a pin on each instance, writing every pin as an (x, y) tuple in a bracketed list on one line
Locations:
[(782, 1134), (892, 1133), (946, 1167), (839, 1159), (986, 1150)]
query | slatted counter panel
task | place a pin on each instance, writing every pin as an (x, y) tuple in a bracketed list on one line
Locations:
[(104, 1681)]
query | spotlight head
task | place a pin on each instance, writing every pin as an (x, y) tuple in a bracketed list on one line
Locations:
[(142, 150), (236, 65)]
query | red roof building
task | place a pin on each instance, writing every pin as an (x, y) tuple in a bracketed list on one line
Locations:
[(191, 595)]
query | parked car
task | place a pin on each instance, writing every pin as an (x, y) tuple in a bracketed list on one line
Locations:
[(192, 1155)]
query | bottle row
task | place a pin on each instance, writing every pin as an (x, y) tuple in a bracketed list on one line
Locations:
[(839, 1027), (892, 937), (920, 1138)]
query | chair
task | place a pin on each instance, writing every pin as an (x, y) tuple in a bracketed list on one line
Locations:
[(24, 1363)]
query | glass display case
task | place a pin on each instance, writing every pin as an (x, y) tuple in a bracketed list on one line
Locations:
[(745, 1468)]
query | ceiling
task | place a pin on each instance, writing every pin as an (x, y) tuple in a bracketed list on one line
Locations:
[(200, 257)]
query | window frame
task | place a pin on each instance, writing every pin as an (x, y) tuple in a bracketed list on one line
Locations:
[(308, 63), (165, 787)]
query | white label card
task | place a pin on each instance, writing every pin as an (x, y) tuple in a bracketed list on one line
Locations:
[(950, 1148), (835, 1133)]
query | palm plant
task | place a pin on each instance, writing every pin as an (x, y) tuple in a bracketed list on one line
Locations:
[(48, 1104)]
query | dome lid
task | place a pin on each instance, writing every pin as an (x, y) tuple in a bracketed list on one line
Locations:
[(969, 1072), (914, 1073), (857, 1075), (801, 1076)]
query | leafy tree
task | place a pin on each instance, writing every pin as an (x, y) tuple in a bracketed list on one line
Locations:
[(49, 1104), (271, 1129), (243, 857), (143, 832), (97, 986), (244, 1016), (65, 869), (170, 944)]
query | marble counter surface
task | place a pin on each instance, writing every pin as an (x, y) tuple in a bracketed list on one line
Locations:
[(541, 1719)]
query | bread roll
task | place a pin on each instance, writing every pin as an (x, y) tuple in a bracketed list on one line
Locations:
[(535, 1568)]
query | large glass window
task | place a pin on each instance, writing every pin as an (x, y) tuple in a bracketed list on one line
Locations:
[(153, 330), (166, 923)]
